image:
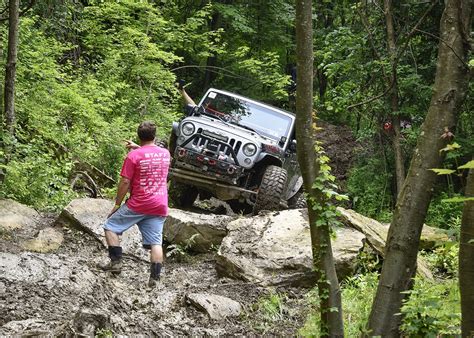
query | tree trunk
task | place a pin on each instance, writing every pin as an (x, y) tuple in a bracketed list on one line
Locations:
[(10, 69), (466, 259), (328, 285), (394, 106), (210, 73), (1, 83), (2, 127), (449, 92)]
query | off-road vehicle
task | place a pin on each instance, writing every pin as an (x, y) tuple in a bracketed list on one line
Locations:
[(238, 150)]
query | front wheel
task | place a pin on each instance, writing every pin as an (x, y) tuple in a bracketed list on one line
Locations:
[(182, 195), (271, 189)]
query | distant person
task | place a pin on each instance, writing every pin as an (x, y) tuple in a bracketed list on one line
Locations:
[(144, 173)]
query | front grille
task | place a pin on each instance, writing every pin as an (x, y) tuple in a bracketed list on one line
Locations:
[(213, 147), (204, 139)]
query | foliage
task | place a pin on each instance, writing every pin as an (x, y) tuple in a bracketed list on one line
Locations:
[(78, 107), (370, 194), (357, 293), (368, 261), (324, 183), (433, 309), (442, 214), (180, 251), (444, 259), (271, 306), (446, 208), (269, 309), (104, 333)]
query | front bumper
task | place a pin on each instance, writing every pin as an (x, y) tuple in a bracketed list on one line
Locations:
[(208, 166), (222, 190)]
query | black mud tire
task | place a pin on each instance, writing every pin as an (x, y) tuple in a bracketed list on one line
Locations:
[(271, 189), (182, 195), (172, 143), (298, 201)]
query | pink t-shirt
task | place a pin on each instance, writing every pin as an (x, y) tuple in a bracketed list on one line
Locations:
[(147, 169)]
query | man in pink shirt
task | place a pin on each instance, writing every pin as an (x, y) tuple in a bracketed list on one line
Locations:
[(144, 174)]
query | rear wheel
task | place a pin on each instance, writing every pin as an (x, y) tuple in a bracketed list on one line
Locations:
[(298, 201), (182, 195), (239, 207), (271, 189)]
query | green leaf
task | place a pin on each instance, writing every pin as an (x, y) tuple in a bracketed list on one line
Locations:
[(468, 165), (457, 199), (451, 147), (443, 171)]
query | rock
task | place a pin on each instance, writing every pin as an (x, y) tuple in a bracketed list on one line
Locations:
[(217, 307), (27, 327), (89, 215), (432, 237), (48, 240), (46, 269), (376, 234), (89, 322), (275, 248), (14, 215), (197, 232)]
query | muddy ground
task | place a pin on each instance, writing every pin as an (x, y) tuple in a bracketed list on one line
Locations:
[(74, 296)]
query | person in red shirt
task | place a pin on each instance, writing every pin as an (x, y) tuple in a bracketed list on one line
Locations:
[(144, 173)]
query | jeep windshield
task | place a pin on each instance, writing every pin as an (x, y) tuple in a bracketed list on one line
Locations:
[(262, 120)]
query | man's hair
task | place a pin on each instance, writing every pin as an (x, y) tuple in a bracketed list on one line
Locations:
[(146, 131)]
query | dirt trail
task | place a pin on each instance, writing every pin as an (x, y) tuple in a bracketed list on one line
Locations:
[(72, 295)]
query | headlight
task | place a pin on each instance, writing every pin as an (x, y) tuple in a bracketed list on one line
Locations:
[(249, 149), (187, 128)]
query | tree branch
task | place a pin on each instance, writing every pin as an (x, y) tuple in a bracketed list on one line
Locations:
[(447, 45), (397, 57), (23, 12), (373, 98), (412, 32)]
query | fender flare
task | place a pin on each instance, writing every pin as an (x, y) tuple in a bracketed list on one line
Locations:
[(175, 127), (292, 190)]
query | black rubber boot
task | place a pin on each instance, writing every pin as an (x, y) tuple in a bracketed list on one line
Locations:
[(155, 271), (115, 264)]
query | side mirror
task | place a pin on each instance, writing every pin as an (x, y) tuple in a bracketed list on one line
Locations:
[(293, 145), (189, 109), (282, 140)]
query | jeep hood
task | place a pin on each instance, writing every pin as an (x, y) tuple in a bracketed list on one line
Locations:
[(228, 129)]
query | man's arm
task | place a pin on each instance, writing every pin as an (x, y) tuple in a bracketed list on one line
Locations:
[(130, 145), (186, 97), (122, 190)]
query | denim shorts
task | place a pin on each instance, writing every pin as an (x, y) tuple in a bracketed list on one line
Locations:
[(150, 226)]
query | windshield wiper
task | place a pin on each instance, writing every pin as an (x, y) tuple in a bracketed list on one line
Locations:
[(205, 112), (251, 129)]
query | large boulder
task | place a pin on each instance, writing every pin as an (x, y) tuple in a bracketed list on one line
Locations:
[(275, 249), (196, 232), (89, 215), (377, 232), (15, 216)]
